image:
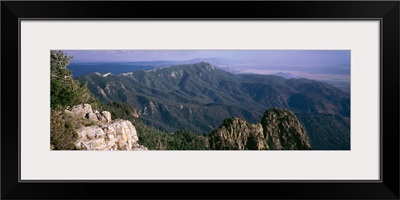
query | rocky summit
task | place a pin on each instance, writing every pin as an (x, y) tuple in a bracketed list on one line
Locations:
[(282, 130), (279, 129), (238, 134), (106, 134)]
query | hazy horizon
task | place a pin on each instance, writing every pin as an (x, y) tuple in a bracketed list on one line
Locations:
[(323, 65)]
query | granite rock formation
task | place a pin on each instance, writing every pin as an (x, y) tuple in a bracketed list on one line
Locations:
[(106, 134), (279, 129)]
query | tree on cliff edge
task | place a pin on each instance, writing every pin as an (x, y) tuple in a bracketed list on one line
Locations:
[(65, 91)]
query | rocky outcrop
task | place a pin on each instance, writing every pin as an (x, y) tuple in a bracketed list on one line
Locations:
[(115, 135), (85, 110), (282, 130), (107, 134), (279, 130), (237, 134)]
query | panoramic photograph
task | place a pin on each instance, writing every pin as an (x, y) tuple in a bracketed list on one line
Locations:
[(111, 100)]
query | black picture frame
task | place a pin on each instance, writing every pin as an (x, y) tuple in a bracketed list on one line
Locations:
[(13, 11)]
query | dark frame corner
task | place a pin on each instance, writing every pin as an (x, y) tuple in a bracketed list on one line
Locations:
[(386, 11)]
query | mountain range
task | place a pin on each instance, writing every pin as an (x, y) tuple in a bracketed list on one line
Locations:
[(81, 68), (198, 97)]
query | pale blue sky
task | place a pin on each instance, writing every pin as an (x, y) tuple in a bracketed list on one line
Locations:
[(309, 57)]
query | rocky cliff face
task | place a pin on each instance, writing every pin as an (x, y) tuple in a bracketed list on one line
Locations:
[(106, 134), (279, 130), (237, 134), (282, 130)]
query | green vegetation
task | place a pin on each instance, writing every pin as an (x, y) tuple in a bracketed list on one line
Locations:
[(120, 110), (181, 140), (65, 91), (326, 131), (62, 131)]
